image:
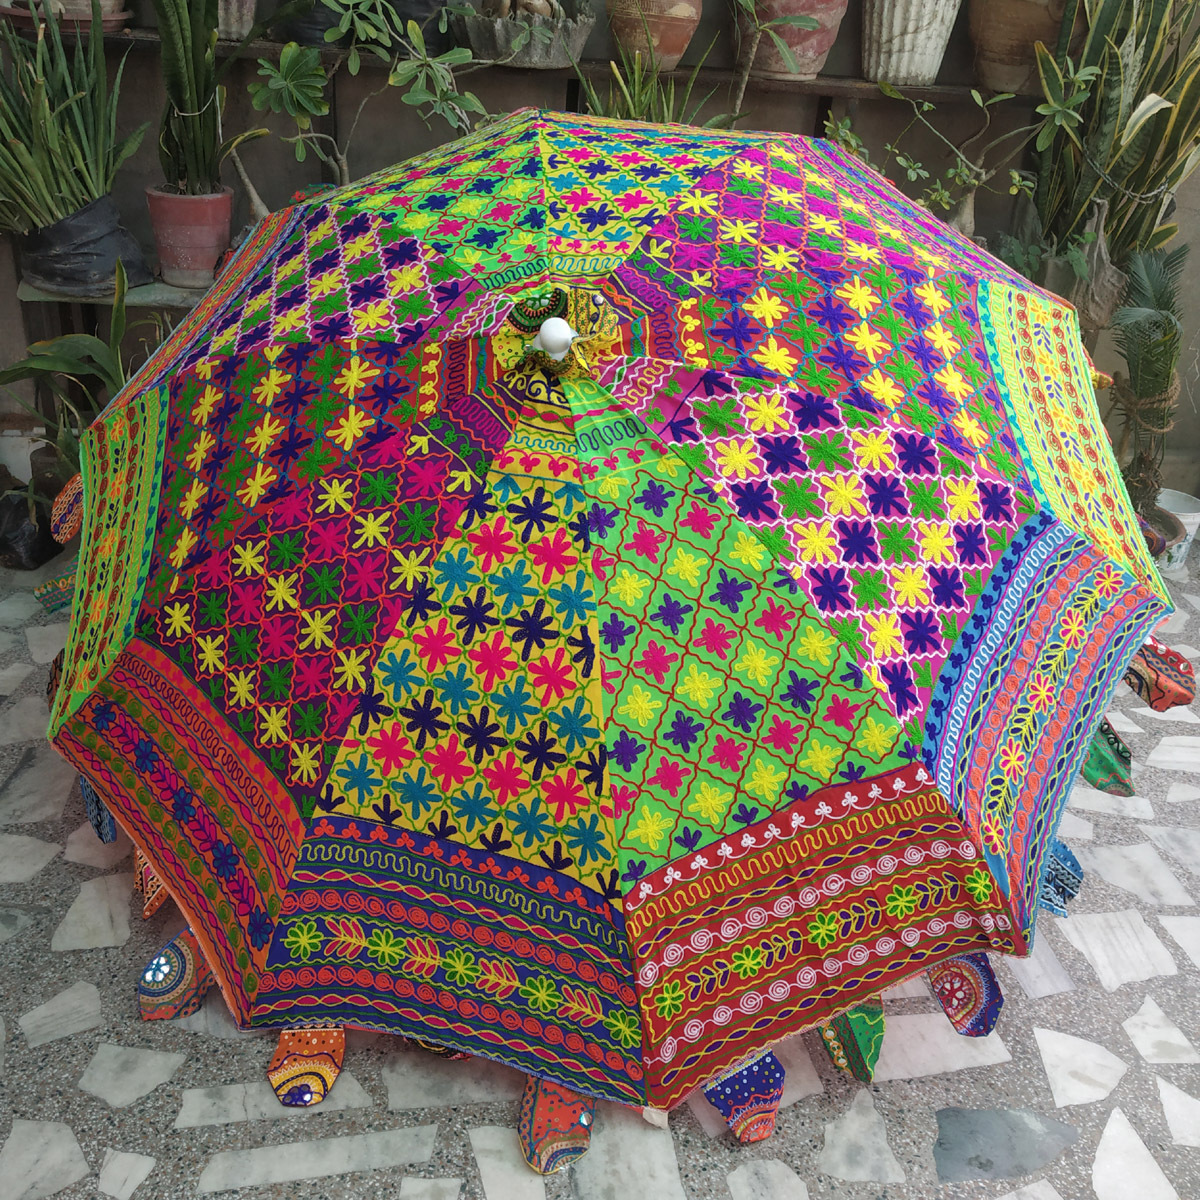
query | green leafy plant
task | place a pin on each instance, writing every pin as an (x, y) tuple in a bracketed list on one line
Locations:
[(1128, 138), (191, 145), (78, 373), (639, 90), (757, 29), (1148, 332), (982, 160), (371, 25), (298, 84), (59, 148)]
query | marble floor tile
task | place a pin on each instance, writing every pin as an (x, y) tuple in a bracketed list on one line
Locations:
[(39, 786), (45, 641), (1122, 724), (255, 1101), (1190, 652), (1079, 1071), (1181, 842), (12, 676), (71, 1011), (121, 1173), (1176, 753), (98, 916), (856, 1147), (21, 857), (13, 921), (3, 1045), (1041, 974), (1039, 1190), (1182, 1113), (1090, 800), (1186, 931), (15, 610), (1182, 793), (412, 1188), (213, 1019), (765, 1179), (800, 1078), (1192, 599), (1171, 625), (416, 1079), (1138, 869), (628, 1158), (40, 1158), (1178, 715), (83, 846), (710, 1120), (1123, 1168), (1075, 828), (1157, 1038), (1120, 947), (25, 720), (919, 1044), (997, 1143), (503, 1170), (292, 1161), (119, 1075), (915, 988)]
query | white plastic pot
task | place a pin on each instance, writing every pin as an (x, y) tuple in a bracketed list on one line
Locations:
[(1187, 509), (904, 41)]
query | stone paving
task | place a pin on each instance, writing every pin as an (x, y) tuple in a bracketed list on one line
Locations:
[(1088, 1088)]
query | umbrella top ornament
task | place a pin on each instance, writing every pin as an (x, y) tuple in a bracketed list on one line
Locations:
[(603, 597)]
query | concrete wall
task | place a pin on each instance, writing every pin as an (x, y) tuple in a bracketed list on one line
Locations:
[(390, 131)]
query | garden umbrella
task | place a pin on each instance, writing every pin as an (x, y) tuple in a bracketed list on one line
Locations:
[(603, 597)]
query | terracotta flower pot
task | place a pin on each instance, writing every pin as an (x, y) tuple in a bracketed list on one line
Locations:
[(191, 233), (904, 40), (1004, 32), (235, 19), (664, 27), (810, 47)]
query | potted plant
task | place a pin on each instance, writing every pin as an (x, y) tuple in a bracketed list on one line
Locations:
[(531, 34), (297, 85), (1148, 333), (59, 154), (191, 211), (74, 14), (235, 19), (904, 40), (1004, 34), (800, 34), (660, 29), (1109, 163)]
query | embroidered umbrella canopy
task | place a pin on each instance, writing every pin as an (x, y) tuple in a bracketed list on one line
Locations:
[(602, 597)]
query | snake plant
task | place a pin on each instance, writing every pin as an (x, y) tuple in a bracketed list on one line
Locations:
[(59, 148), (191, 145)]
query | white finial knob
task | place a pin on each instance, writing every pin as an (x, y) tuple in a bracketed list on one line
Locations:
[(555, 338)]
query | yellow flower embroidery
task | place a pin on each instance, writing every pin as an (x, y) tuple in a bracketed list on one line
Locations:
[(651, 827), (876, 737), (937, 544), (820, 758), (698, 686), (816, 644), (844, 495), (765, 780), (629, 587), (756, 664), (736, 458), (775, 356), (709, 803), (858, 296), (640, 705)]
